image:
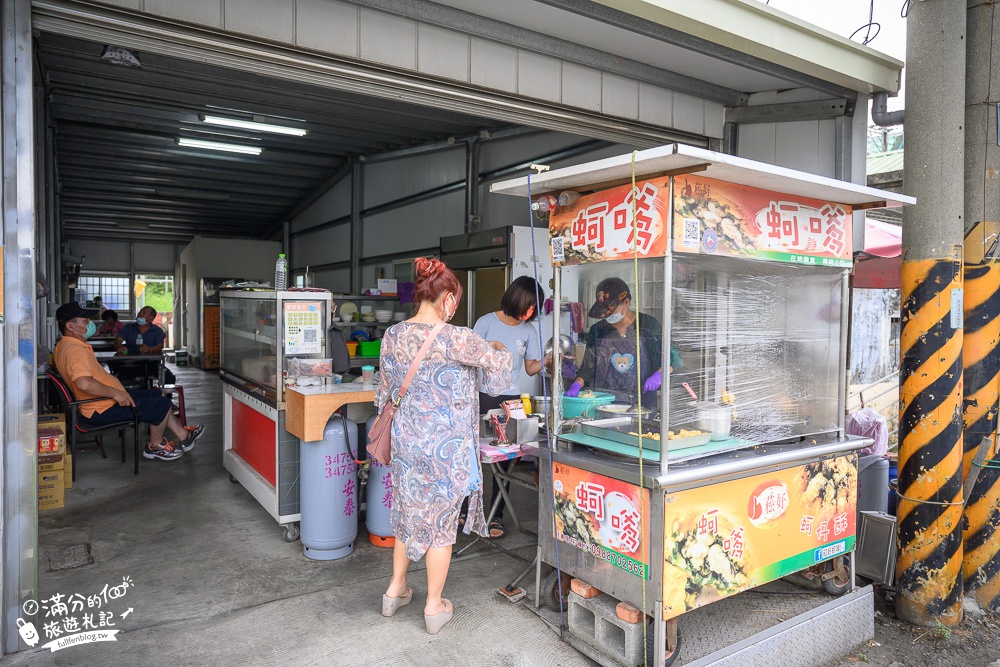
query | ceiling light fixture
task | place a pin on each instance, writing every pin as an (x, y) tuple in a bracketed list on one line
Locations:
[(118, 55), (253, 125), (217, 146)]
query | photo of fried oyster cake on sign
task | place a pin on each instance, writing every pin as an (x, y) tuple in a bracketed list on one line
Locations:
[(701, 561), (717, 214), (828, 487)]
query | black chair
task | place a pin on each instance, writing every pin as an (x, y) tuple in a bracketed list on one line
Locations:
[(78, 424)]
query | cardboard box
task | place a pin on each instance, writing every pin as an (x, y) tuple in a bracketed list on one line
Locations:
[(50, 417), (51, 490), (51, 438), (68, 470)]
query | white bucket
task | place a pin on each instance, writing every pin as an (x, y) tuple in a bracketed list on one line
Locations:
[(714, 418)]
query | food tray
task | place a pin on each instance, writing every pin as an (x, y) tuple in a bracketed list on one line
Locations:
[(617, 429)]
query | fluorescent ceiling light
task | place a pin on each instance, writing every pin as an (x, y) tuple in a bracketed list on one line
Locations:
[(217, 146), (253, 125)]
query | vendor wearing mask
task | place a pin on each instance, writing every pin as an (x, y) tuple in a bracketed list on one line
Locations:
[(609, 363)]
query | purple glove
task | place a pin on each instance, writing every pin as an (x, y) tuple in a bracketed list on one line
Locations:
[(574, 389), (569, 369), (653, 382)]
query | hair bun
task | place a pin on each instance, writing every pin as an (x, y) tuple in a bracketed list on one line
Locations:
[(428, 268)]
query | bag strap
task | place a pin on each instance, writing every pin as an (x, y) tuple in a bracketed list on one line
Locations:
[(416, 361)]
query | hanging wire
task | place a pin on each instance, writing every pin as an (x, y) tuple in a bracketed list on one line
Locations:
[(638, 377), (869, 26), (905, 10), (545, 394)]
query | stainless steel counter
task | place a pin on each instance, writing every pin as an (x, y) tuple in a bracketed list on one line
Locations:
[(703, 471)]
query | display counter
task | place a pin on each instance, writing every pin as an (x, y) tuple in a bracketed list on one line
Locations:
[(308, 409)]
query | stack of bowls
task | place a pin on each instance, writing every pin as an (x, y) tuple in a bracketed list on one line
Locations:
[(383, 315), (398, 316)]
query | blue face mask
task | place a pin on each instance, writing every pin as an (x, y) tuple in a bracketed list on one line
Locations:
[(91, 329), (141, 321), (614, 318)]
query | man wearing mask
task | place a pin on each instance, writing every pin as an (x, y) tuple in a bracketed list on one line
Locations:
[(609, 362), (87, 379), (152, 335)]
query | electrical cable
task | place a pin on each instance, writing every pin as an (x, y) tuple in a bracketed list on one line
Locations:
[(638, 376), (871, 24), (548, 425), (905, 9)]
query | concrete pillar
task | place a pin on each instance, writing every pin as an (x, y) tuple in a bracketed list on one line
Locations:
[(981, 550), (930, 454)]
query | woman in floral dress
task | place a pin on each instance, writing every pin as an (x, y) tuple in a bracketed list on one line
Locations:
[(435, 452)]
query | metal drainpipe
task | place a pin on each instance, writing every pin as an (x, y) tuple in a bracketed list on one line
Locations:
[(880, 116), (931, 300)]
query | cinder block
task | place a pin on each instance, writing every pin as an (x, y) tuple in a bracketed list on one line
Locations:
[(595, 621), (583, 589), (628, 613)]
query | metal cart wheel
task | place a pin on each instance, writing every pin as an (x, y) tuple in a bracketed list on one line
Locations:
[(291, 532), (837, 578), (233, 479), (552, 591), (671, 656)]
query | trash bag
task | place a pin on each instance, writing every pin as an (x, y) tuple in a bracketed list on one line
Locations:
[(868, 423)]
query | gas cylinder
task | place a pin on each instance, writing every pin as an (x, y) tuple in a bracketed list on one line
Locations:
[(328, 491), (378, 502)]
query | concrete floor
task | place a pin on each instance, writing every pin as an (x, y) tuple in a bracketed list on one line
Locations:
[(214, 583)]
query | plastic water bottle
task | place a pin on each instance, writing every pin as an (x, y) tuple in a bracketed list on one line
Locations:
[(138, 342), (281, 272)]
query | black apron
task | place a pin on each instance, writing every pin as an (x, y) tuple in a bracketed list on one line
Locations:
[(615, 368)]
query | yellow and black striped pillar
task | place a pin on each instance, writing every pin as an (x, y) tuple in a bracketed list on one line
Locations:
[(929, 563), (981, 559)]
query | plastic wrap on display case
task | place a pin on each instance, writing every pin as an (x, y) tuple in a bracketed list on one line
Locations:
[(754, 347)]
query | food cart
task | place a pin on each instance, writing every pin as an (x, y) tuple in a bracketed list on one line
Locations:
[(262, 332), (741, 472)]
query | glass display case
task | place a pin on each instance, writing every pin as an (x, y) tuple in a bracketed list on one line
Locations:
[(256, 343), (263, 332)]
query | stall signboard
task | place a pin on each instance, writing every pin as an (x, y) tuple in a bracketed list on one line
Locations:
[(598, 226), (724, 538), (719, 218), (602, 516), (303, 323)]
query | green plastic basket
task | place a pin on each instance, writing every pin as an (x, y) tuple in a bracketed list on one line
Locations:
[(369, 348)]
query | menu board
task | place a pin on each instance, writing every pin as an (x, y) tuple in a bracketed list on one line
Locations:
[(724, 538), (303, 327), (718, 218), (601, 515)]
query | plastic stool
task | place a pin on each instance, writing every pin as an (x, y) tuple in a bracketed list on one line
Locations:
[(170, 390)]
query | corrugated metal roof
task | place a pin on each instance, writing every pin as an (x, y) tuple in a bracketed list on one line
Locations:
[(882, 163)]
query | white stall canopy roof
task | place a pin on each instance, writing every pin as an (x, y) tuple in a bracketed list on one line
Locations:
[(680, 159)]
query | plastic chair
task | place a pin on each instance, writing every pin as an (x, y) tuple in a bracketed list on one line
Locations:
[(78, 424)]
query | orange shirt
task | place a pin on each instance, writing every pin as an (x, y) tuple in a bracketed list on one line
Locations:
[(76, 359)]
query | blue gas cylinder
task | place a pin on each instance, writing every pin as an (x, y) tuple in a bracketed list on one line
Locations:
[(378, 502), (328, 491)]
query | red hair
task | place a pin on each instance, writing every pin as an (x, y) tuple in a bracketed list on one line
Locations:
[(434, 279)]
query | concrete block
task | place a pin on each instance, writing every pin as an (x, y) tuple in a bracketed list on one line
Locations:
[(628, 613), (583, 589), (595, 622)]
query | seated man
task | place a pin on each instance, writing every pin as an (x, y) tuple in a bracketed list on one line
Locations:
[(153, 337), (79, 367)]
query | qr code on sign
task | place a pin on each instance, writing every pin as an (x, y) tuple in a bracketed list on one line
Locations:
[(309, 335), (692, 232), (558, 250)]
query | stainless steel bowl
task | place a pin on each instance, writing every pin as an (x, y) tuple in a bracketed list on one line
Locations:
[(565, 346), (541, 405), (621, 410)]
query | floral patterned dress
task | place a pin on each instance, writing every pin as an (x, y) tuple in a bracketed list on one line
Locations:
[(435, 443)]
